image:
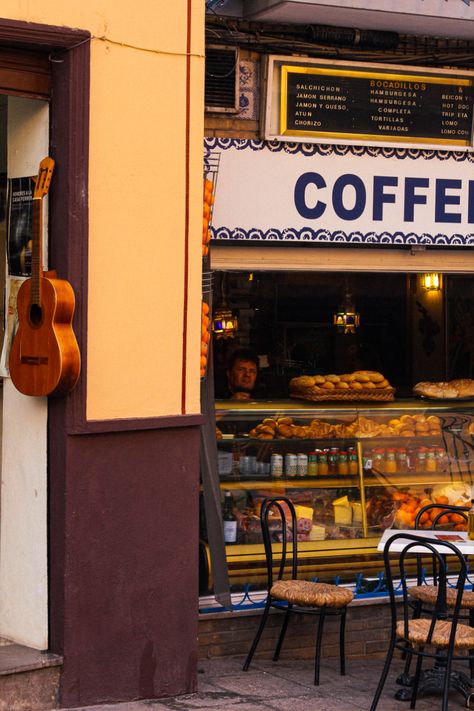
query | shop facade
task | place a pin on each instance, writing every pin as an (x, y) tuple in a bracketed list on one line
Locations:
[(302, 218), (89, 542)]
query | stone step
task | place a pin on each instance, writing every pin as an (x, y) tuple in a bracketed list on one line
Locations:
[(29, 678)]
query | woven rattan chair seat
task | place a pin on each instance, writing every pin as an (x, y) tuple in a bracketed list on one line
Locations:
[(307, 594), (418, 633), (429, 594)]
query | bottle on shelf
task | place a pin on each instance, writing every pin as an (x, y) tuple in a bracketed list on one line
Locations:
[(470, 522), (229, 519), (313, 463)]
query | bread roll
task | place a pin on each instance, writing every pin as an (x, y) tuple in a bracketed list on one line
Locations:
[(341, 385), (328, 385), (333, 378)]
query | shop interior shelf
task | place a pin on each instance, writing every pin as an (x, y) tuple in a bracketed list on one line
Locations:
[(336, 482)]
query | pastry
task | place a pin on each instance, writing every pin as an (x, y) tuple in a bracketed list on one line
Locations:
[(347, 377), (333, 378), (341, 385), (355, 385), (328, 385)]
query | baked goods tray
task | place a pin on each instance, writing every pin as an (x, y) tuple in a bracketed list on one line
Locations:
[(385, 395)]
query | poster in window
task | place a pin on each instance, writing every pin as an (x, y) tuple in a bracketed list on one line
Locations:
[(19, 226)]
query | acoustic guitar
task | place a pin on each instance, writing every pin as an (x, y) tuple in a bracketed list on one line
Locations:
[(44, 357)]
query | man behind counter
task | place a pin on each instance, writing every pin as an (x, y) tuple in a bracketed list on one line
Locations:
[(242, 371)]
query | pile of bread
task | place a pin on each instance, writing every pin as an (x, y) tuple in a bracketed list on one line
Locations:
[(463, 387), (362, 427), (358, 381)]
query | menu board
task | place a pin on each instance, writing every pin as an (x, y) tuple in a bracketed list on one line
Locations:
[(374, 105)]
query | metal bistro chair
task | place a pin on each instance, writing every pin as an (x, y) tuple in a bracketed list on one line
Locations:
[(293, 595), (424, 595), (442, 635)]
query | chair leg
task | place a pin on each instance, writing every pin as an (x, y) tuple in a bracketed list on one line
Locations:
[(255, 642), (342, 641), (416, 680), (383, 677), (319, 638), (447, 678), (471, 651), (404, 679), (281, 637)]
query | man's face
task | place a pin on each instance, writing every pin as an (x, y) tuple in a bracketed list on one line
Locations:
[(242, 376)]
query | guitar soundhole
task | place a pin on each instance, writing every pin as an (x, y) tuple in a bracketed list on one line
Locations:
[(36, 314)]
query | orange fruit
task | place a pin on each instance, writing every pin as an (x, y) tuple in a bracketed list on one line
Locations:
[(203, 361), (208, 184), (441, 500), (460, 527), (204, 349), (205, 320), (205, 308), (207, 210), (457, 518), (424, 518)]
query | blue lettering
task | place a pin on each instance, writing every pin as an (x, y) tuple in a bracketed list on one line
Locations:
[(470, 203), (441, 200), (411, 199), (380, 181), (310, 213), (360, 195)]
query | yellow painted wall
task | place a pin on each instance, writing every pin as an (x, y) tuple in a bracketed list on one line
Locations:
[(137, 199)]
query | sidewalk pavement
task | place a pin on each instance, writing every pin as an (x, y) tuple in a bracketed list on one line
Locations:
[(285, 686)]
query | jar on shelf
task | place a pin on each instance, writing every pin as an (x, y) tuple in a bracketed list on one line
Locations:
[(401, 456), (313, 463), (323, 467), (291, 465), (343, 464), (378, 459), (353, 462), (333, 460), (276, 465), (301, 464), (441, 459), (390, 461), (420, 461), (431, 465)]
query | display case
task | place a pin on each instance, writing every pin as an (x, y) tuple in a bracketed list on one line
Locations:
[(351, 472)]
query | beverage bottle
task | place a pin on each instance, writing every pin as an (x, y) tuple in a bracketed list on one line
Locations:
[(229, 519), (470, 522)]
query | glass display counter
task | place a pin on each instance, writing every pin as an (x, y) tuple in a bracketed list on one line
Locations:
[(351, 472)]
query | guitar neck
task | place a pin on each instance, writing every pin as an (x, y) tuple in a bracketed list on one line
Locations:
[(36, 250)]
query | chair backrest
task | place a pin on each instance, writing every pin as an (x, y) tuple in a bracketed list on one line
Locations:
[(439, 550), (437, 514), (279, 530)]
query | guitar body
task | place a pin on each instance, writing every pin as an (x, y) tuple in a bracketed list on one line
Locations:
[(45, 358)]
